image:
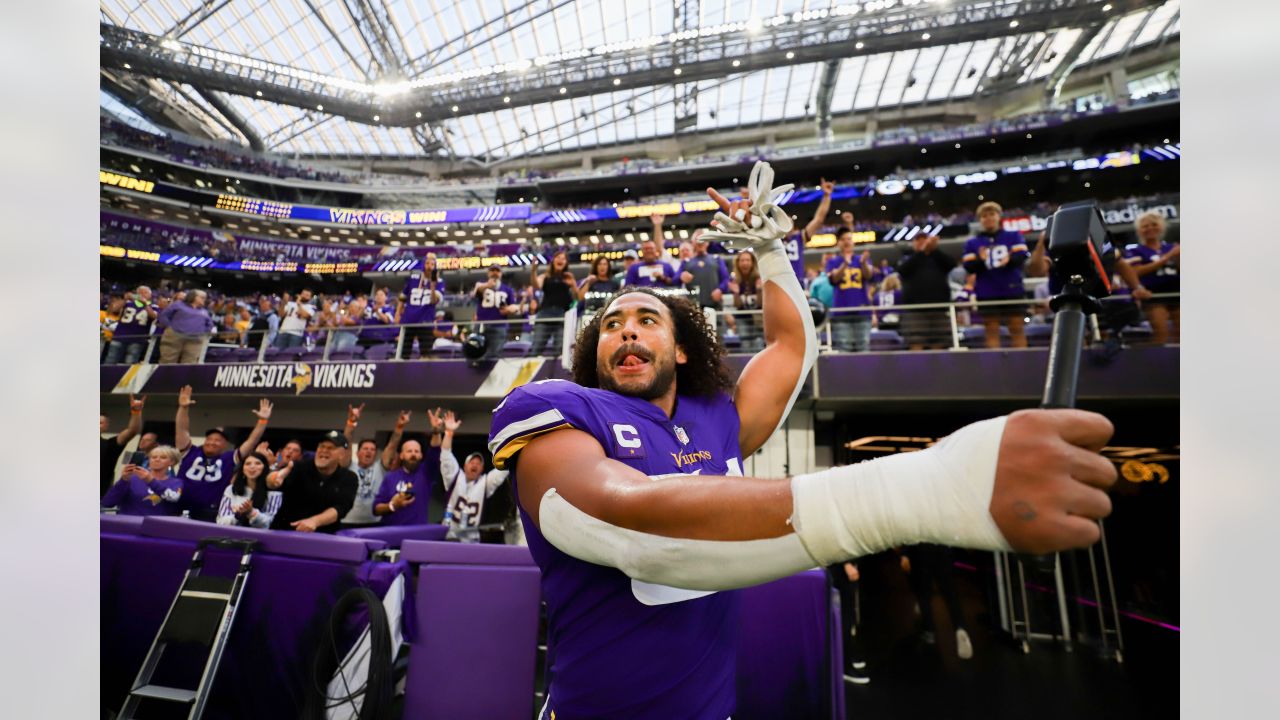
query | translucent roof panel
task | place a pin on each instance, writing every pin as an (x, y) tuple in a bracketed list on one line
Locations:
[(422, 38), (126, 114)]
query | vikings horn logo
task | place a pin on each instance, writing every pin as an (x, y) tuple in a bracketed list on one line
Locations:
[(301, 377)]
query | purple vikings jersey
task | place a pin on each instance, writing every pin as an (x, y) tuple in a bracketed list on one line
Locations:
[(375, 329), (420, 301), (1164, 280), (621, 647), (418, 483), (850, 286), (1006, 251), (134, 323), (136, 496), (492, 300), (794, 245), (205, 478)]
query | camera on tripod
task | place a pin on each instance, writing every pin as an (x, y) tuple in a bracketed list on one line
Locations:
[(1078, 244)]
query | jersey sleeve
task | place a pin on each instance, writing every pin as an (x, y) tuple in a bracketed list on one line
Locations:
[(1133, 255), (535, 409)]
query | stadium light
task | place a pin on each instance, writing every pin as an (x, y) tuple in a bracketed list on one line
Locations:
[(736, 63), (859, 45), (790, 54), (755, 25), (618, 81)]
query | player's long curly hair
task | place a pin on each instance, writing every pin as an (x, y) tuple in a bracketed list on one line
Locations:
[(703, 374)]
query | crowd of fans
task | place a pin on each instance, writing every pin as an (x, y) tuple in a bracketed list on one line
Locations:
[(530, 304), (344, 482)]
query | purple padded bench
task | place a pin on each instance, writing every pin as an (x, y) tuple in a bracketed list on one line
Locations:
[(476, 606), (395, 535), (121, 524), (295, 581), (315, 546)]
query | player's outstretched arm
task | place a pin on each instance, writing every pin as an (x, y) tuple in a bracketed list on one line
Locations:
[(770, 383), (1032, 482)]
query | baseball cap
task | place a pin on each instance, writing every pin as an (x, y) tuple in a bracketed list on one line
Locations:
[(336, 438), (219, 431), (631, 254), (473, 455)]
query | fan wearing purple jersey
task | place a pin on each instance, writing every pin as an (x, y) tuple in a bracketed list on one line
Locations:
[(996, 258), (397, 502), (206, 470), (422, 292), (150, 490), (130, 337), (495, 301), (1156, 263), (651, 271), (628, 485)]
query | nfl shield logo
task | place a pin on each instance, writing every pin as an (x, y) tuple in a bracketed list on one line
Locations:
[(681, 435)]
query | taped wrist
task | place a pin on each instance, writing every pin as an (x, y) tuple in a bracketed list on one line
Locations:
[(675, 562), (939, 495)]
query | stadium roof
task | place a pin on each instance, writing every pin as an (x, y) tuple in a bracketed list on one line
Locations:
[(337, 49)]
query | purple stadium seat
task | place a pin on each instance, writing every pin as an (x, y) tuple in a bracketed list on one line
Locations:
[(352, 353), (516, 348), (1039, 334), (218, 355), (316, 355), (885, 340), (975, 337), (275, 354), (1140, 332), (243, 355), (384, 351)]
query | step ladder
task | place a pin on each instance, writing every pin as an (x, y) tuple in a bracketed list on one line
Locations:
[(201, 614)]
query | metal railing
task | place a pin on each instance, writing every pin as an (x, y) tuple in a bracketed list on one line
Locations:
[(1005, 324)]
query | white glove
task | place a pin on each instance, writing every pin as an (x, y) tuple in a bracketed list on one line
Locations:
[(171, 495), (761, 227)]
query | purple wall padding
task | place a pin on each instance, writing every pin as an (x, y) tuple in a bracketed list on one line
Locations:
[(473, 614), (395, 535), (316, 546), (787, 650)]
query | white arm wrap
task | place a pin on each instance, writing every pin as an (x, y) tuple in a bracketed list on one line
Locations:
[(761, 230), (939, 495), (675, 562)]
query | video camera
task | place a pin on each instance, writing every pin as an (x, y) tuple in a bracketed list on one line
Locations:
[(1078, 242)]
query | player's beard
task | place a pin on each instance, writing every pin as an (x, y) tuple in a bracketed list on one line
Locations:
[(664, 374)]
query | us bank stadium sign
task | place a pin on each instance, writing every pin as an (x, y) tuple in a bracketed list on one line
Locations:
[(298, 376)]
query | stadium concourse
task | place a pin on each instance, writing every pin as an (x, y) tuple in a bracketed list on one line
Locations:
[(403, 306)]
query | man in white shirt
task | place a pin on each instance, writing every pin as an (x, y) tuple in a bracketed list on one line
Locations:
[(468, 486), (293, 325)]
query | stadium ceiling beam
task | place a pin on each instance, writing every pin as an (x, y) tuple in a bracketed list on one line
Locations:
[(472, 39), (224, 108), (800, 38), (826, 90), (324, 23), (197, 15), (1056, 79)]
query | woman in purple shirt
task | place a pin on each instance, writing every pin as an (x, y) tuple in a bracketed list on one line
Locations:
[(1156, 264), (153, 490)]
